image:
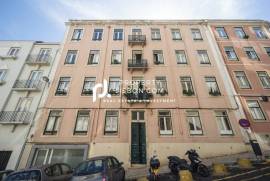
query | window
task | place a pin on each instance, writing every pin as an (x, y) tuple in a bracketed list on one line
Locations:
[(81, 126), (255, 110), (259, 33), (93, 57), (63, 86), (196, 34), (264, 78), (176, 35), (203, 57), (221, 32), (13, 51), (165, 123), (223, 123), (267, 49), (3, 73), (116, 57), (155, 34), (181, 57), (194, 122), (231, 55), (44, 55), (158, 57), (33, 175), (118, 34), (114, 86), (242, 80), (89, 83), (240, 33), (251, 53), (111, 122), (71, 57), (161, 85), (52, 123), (77, 34), (212, 86), (187, 87), (97, 36), (137, 115)]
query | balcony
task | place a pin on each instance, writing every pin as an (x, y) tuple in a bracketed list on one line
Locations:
[(38, 60), (3, 57), (136, 39), (27, 85), (15, 117), (140, 64), (137, 96)]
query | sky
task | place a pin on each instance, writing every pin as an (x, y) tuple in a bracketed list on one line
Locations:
[(44, 20)]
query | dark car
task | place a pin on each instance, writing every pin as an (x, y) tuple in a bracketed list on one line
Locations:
[(52, 172), (102, 168), (5, 173)]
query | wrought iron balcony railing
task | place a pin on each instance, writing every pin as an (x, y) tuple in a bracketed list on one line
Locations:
[(27, 85), (136, 39), (138, 96), (39, 60), (137, 64), (15, 117)]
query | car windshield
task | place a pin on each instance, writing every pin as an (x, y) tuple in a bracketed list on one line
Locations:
[(33, 175), (89, 167)]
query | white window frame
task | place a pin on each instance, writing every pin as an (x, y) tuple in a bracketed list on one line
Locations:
[(13, 51), (240, 33), (97, 34), (196, 34), (118, 35), (110, 117), (116, 57), (223, 118), (203, 57), (181, 57), (164, 118), (264, 78), (176, 34), (194, 115), (3, 74), (258, 108), (260, 34), (114, 84), (63, 85), (155, 34), (71, 57), (56, 119), (82, 122), (221, 32), (158, 56), (230, 53), (242, 80), (77, 34), (96, 56)]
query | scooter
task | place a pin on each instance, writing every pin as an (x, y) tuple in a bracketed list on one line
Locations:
[(176, 164), (196, 165), (154, 168)]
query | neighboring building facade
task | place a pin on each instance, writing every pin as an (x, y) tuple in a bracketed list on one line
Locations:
[(187, 100), (26, 63), (245, 47)]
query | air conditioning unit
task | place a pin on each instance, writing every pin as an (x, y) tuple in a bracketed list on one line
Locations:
[(263, 98)]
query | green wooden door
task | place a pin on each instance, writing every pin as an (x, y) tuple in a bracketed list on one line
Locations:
[(138, 143)]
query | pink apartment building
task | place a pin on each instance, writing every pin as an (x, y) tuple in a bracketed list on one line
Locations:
[(186, 102), (245, 47)]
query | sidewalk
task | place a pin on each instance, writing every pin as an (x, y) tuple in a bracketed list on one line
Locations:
[(133, 173)]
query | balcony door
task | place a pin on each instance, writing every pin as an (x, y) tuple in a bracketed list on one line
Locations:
[(138, 138), (43, 55), (24, 104), (34, 78), (137, 57), (136, 31)]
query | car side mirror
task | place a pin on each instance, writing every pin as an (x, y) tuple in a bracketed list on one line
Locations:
[(121, 163)]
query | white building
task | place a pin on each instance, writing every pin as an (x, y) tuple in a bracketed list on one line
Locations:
[(24, 70)]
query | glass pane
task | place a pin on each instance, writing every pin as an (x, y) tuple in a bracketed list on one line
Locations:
[(41, 154)]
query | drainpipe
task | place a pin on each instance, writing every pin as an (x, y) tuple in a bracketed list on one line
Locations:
[(33, 119)]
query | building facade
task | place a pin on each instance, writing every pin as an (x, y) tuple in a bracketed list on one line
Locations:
[(244, 46), (168, 91), (25, 64)]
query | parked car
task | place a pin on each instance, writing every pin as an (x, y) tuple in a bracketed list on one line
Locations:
[(5, 173), (102, 168), (52, 172)]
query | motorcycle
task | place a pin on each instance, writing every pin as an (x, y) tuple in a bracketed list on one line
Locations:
[(176, 164), (154, 168), (196, 165)]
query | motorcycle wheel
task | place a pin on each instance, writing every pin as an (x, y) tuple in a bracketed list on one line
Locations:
[(203, 170)]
